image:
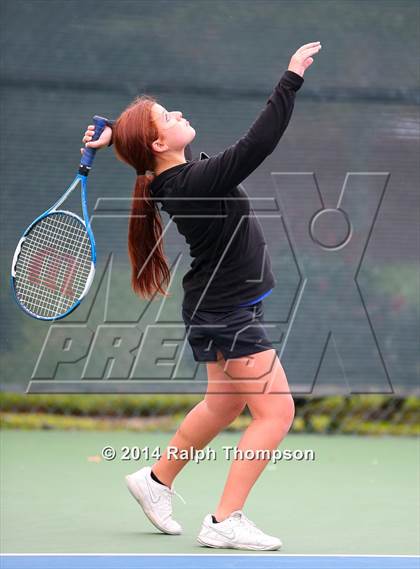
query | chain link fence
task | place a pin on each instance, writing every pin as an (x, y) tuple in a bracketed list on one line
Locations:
[(356, 414)]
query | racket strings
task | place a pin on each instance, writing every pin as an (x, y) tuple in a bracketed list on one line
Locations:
[(54, 265)]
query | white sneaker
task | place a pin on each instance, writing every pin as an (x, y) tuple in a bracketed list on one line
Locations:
[(237, 532), (155, 499)]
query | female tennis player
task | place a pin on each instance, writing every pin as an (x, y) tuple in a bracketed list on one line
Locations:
[(222, 307)]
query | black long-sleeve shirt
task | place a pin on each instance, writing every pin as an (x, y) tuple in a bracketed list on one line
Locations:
[(231, 264)]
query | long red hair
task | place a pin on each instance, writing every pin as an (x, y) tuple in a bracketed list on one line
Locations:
[(133, 134)]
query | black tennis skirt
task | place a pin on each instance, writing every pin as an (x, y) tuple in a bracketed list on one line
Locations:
[(235, 332)]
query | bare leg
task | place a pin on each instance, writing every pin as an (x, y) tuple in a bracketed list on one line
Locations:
[(272, 412), (220, 406)]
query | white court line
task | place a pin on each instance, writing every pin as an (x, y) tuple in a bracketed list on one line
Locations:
[(280, 555)]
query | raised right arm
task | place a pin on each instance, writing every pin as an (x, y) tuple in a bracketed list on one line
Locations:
[(217, 174)]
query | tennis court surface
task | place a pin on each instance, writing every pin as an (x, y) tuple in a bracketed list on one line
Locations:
[(354, 506)]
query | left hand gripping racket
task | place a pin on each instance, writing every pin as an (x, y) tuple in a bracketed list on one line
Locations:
[(54, 262)]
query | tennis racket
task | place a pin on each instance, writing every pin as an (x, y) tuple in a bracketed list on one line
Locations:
[(54, 262)]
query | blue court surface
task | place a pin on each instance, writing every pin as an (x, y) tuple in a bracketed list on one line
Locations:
[(210, 561)]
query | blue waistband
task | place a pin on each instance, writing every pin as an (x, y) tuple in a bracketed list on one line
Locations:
[(257, 299)]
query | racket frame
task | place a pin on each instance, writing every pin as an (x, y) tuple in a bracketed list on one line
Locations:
[(82, 179), (84, 169)]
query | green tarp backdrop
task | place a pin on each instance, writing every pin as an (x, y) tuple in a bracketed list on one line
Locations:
[(344, 313)]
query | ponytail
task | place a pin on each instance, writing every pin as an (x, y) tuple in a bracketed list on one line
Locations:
[(133, 135), (150, 270)]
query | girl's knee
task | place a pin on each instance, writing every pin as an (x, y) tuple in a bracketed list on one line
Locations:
[(284, 415), (229, 407), (287, 413)]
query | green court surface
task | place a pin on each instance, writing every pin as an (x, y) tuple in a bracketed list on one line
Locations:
[(359, 495)]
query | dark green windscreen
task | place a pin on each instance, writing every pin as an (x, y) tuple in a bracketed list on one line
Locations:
[(344, 313)]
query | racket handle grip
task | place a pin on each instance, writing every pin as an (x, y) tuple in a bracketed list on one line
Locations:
[(89, 153)]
